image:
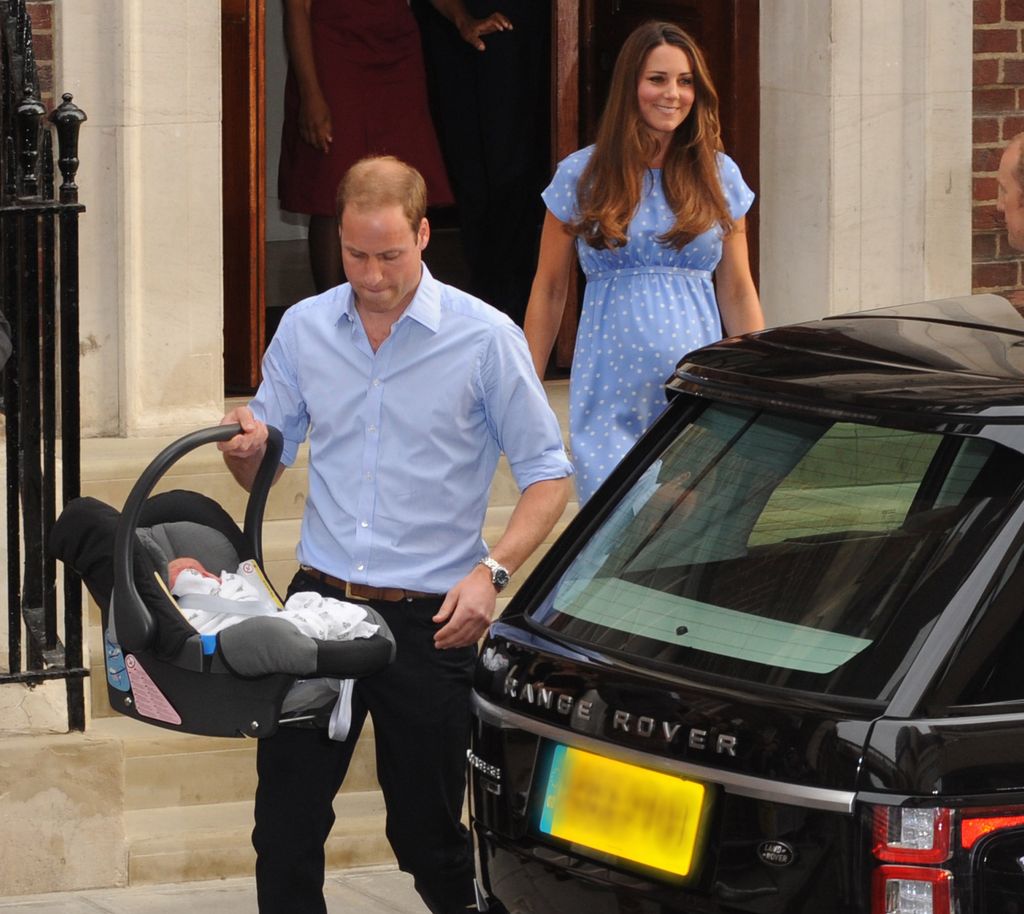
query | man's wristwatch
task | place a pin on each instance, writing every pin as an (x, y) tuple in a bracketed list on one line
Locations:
[(499, 574)]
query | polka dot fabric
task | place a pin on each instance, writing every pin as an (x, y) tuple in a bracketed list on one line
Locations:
[(645, 306)]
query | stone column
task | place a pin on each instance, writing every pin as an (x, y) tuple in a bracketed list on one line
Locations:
[(148, 74), (865, 154)]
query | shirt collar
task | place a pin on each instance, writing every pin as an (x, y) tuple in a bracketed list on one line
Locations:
[(425, 307)]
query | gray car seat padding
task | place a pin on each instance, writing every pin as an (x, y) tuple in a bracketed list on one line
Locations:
[(266, 644), (253, 647), (187, 539), (262, 644)]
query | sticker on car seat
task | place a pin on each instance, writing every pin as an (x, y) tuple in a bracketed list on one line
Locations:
[(117, 676), (149, 700)]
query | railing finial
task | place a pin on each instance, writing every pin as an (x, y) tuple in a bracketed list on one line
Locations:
[(68, 118), (30, 112)]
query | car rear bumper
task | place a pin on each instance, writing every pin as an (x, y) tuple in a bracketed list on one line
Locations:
[(535, 879)]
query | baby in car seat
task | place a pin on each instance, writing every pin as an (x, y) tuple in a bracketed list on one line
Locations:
[(184, 531), (312, 614), (208, 602)]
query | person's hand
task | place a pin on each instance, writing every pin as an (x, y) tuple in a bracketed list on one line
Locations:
[(315, 122), (467, 610), (472, 30), (251, 442)]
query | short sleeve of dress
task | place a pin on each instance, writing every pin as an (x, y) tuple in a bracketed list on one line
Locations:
[(560, 195), (738, 197)]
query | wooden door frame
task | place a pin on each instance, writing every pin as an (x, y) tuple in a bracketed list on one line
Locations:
[(243, 143), (565, 138)]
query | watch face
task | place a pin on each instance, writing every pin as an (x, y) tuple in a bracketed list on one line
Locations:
[(500, 577)]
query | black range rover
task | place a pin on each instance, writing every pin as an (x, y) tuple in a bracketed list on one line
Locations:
[(777, 663)]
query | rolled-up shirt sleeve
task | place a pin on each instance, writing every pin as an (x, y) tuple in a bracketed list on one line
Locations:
[(518, 412)]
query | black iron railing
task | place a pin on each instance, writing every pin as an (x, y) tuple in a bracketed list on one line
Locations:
[(39, 298)]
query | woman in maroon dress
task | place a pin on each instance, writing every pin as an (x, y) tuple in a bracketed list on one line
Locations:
[(356, 87)]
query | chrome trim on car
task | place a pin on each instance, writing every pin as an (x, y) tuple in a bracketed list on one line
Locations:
[(745, 785)]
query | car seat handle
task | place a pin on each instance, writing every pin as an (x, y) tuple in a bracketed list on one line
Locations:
[(133, 620)]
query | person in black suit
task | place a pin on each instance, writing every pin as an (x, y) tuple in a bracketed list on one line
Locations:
[(489, 72), (5, 341)]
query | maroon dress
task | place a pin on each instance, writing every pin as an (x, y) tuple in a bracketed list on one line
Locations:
[(370, 67)]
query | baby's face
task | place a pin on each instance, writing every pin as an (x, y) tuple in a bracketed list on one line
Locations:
[(177, 566)]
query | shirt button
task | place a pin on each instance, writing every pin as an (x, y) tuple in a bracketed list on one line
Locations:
[(365, 523), (369, 477), (376, 382), (360, 567), (372, 429)]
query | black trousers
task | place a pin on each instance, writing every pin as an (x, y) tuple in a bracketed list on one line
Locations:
[(491, 110), (421, 717)]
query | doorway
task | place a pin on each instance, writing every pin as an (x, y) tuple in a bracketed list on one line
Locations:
[(265, 260)]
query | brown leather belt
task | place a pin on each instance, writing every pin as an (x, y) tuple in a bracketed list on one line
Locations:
[(365, 591)]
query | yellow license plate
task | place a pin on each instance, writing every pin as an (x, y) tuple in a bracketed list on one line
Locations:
[(629, 812)]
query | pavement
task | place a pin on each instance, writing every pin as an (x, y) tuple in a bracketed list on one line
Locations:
[(368, 890)]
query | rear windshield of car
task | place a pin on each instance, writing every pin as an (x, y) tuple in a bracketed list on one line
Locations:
[(791, 551)]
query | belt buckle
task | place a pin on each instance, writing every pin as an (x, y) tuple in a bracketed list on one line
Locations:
[(352, 596)]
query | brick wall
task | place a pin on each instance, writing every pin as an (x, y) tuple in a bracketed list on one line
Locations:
[(41, 12), (998, 116)]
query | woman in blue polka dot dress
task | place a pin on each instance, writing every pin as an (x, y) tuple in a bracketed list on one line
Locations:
[(653, 209)]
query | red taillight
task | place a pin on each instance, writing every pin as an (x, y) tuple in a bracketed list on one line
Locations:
[(973, 829), (911, 890), (911, 835)]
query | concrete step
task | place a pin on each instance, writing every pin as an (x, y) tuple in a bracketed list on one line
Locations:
[(111, 466), (188, 804), (166, 768), (189, 843)]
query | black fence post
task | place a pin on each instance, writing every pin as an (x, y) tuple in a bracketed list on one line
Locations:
[(68, 119), (39, 297)]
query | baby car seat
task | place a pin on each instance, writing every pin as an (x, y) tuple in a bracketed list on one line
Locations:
[(159, 669)]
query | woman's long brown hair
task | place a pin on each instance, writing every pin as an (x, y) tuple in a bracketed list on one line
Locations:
[(611, 185)]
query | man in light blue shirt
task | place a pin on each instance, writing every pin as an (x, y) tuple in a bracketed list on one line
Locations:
[(409, 390)]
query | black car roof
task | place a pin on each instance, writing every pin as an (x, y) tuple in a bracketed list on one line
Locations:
[(958, 359)]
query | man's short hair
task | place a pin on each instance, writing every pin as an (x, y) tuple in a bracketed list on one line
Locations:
[(380, 181)]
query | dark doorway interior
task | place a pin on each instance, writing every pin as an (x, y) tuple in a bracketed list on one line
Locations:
[(288, 276), (264, 274)]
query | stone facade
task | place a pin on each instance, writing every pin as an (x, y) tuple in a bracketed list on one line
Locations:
[(998, 116), (152, 324), (865, 154)]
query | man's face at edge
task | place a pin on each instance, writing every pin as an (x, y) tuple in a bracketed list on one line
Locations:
[(1009, 201)]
